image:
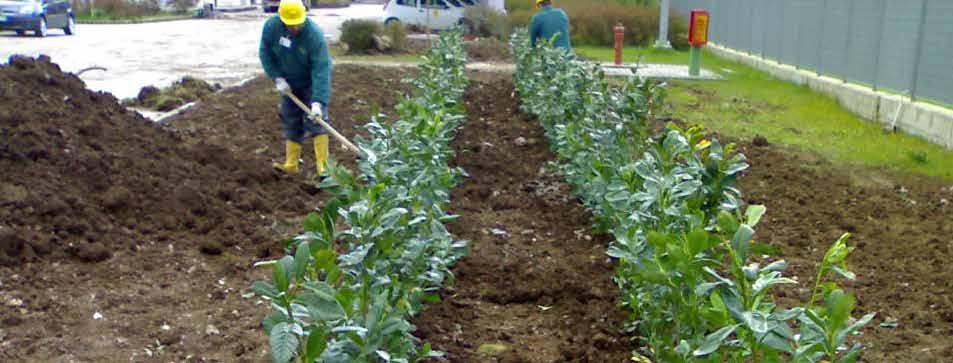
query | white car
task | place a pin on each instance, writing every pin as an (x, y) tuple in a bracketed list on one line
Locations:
[(434, 14)]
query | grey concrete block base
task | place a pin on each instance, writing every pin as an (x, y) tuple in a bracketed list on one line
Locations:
[(931, 122)]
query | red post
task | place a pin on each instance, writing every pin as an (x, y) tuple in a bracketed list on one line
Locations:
[(619, 33)]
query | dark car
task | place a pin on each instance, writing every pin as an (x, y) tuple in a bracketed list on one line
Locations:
[(37, 16)]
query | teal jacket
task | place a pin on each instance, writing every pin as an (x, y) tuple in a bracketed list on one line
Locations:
[(304, 62), (548, 22)]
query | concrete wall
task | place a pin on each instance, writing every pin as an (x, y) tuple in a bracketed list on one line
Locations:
[(931, 122)]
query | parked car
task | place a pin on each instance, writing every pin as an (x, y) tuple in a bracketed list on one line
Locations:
[(434, 14), (37, 16)]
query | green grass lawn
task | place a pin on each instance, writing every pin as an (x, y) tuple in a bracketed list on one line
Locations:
[(749, 102), (634, 54), (337, 53)]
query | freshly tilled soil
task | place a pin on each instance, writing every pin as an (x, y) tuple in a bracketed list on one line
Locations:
[(902, 228), (125, 240), (536, 286)]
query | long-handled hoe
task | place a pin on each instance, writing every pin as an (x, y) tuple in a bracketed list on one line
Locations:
[(347, 144)]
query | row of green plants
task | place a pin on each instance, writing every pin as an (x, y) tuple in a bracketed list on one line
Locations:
[(697, 284), (378, 249)]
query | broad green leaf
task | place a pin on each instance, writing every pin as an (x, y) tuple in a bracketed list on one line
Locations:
[(769, 280), (807, 350), (301, 260), (312, 223), (839, 305), (727, 223), (683, 347), (283, 341), (322, 303), (699, 240), (265, 289), (777, 341), (616, 252), (705, 288), (316, 344), (753, 214), (280, 276), (740, 242), (843, 273), (857, 325), (852, 355), (775, 266), (324, 259), (657, 239), (271, 320), (756, 321), (713, 341)]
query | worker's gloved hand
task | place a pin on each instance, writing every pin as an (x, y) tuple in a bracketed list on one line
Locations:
[(316, 110), (282, 85)]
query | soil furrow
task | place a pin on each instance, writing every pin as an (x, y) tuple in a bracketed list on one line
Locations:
[(536, 286)]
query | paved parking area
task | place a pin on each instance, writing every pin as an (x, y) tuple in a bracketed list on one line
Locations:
[(223, 50)]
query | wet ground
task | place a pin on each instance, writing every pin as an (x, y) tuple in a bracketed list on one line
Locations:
[(223, 50)]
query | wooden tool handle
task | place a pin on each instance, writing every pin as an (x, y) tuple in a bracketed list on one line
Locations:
[(331, 130)]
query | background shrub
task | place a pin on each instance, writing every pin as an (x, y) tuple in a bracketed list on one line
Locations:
[(486, 22), (359, 35), (182, 6), (397, 33), (115, 8)]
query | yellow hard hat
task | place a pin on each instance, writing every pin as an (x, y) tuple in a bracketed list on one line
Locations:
[(539, 3), (292, 12)]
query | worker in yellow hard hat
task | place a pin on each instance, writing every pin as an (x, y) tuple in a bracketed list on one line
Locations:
[(549, 22), (295, 55)]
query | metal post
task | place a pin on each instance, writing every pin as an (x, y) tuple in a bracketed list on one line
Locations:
[(820, 39), (751, 29), (694, 67), (918, 55), (850, 25), (797, 54), (663, 26), (783, 31), (880, 40), (764, 33)]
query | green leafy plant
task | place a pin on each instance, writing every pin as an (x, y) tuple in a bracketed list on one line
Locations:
[(366, 263), (685, 243)]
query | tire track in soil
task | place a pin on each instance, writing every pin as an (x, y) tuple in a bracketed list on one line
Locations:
[(543, 290)]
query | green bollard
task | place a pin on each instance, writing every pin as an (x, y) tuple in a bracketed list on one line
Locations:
[(695, 57)]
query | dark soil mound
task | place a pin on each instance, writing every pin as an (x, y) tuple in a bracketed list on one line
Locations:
[(183, 91), (488, 50), (84, 176)]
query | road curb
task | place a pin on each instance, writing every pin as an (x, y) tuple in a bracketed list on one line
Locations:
[(136, 21)]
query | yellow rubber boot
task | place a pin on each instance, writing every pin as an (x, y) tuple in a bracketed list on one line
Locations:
[(321, 155), (292, 153)]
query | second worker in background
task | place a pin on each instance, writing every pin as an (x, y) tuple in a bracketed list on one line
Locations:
[(548, 22)]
